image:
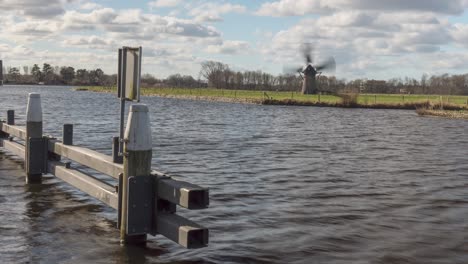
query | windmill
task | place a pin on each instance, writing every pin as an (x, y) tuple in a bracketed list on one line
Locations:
[(310, 72)]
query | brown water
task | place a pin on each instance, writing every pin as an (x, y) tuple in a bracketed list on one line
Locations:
[(287, 184)]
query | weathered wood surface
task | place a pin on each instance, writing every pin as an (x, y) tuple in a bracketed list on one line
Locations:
[(90, 158), (182, 193), (182, 230), (35, 158), (86, 183), (13, 147), (15, 131), (137, 161)]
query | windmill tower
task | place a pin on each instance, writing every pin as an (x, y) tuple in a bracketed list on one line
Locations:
[(309, 82), (310, 72)]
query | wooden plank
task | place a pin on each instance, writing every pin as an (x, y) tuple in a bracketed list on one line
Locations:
[(13, 147), (181, 230), (86, 183), (90, 158), (15, 131), (182, 193)]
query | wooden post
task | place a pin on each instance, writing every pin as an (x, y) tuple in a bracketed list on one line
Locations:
[(67, 134), (10, 117), (137, 161), (116, 158), (33, 132), (319, 98)]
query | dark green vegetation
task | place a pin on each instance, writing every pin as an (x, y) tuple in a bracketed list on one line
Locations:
[(54, 75), (381, 101), (220, 76)]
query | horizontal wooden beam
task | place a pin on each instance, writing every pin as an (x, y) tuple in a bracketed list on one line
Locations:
[(13, 147), (90, 158), (86, 183), (182, 193), (181, 230), (16, 131)]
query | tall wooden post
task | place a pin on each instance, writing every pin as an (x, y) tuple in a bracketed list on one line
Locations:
[(33, 132), (67, 134), (137, 162), (11, 117)]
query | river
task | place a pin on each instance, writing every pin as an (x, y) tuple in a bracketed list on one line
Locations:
[(287, 184)]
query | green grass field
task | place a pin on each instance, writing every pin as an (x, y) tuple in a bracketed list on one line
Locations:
[(363, 99)]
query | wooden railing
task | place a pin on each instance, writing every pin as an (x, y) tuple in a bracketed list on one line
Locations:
[(145, 199)]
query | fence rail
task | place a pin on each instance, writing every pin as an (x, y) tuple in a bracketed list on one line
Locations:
[(146, 200)]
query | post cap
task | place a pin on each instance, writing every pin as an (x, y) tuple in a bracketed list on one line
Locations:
[(138, 108), (34, 108), (138, 129)]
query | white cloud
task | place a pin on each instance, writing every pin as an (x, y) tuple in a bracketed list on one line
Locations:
[(229, 47), (365, 36), (34, 8), (362, 40), (164, 3), (211, 12), (90, 6), (303, 7)]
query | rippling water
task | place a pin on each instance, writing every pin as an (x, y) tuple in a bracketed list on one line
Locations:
[(287, 184)]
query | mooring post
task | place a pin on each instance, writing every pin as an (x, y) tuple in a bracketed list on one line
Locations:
[(137, 162), (10, 117), (34, 151), (116, 158), (67, 134)]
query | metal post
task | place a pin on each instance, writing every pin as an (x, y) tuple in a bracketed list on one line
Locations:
[(34, 155), (123, 81), (67, 134), (137, 163), (11, 117)]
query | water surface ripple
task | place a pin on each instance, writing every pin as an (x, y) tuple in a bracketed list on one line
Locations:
[(287, 184)]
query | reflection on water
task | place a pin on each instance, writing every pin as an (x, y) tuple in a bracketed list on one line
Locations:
[(287, 184)]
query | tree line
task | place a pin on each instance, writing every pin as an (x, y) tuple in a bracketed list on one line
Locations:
[(47, 74), (218, 75)]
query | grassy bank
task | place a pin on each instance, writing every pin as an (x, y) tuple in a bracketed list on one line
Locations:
[(443, 113), (381, 101)]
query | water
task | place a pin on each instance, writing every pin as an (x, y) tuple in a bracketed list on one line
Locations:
[(287, 184)]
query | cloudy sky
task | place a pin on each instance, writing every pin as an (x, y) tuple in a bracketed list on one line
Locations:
[(368, 38)]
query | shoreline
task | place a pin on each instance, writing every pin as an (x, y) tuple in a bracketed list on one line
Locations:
[(293, 102), (452, 114)]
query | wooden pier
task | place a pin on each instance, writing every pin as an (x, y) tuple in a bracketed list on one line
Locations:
[(145, 199)]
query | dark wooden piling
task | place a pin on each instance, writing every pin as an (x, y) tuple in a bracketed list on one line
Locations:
[(136, 163), (67, 134), (34, 145), (11, 117)]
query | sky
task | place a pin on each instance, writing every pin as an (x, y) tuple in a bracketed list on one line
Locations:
[(368, 38)]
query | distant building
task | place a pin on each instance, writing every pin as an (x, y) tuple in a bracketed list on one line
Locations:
[(404, 91)]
